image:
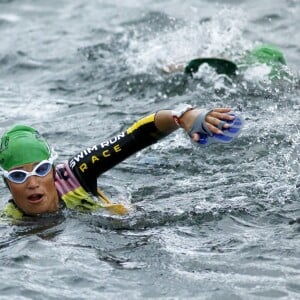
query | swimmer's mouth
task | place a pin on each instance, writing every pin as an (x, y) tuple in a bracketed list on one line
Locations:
[(35, 198)]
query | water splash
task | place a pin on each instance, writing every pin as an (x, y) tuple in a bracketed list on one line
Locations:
[(222, 35)]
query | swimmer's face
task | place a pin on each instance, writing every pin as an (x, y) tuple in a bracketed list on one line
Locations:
[(36, 195)]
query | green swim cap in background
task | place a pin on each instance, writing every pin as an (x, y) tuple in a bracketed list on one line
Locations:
[(22, 145), (269, 55)]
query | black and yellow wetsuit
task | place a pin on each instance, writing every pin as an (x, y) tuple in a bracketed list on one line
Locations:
[(90, 163)]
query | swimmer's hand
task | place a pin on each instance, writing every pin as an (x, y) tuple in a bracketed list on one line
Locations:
[(219, 125)]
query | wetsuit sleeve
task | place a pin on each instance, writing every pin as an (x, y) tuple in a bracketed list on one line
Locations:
[(91, 162)]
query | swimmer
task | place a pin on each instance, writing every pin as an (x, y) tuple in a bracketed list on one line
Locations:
[(264, 54), (38, 186)]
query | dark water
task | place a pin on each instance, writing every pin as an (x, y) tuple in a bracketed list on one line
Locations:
[(216, 224)]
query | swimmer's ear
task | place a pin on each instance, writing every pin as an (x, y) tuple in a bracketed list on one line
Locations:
[(221, 65)]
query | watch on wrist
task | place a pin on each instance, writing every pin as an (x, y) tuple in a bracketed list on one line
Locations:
[(179, 111)]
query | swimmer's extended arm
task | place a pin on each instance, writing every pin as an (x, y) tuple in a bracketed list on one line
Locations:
[(91, 162)]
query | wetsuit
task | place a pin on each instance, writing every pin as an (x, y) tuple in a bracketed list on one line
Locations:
[(76, 179)]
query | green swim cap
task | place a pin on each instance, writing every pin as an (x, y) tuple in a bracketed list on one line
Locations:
[(269, 55), (22, 145)]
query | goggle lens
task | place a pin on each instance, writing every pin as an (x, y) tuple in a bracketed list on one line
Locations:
[(19, 176)]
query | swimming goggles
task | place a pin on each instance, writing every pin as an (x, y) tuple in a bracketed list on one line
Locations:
[(20, 176)]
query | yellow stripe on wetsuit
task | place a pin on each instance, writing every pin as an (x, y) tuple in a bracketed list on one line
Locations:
[(141, 122)]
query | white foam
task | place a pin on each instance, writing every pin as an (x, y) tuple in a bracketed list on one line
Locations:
[(10, 18), (221, 36)]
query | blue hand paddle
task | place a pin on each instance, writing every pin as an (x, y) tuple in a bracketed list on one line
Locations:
[(207, 137)]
